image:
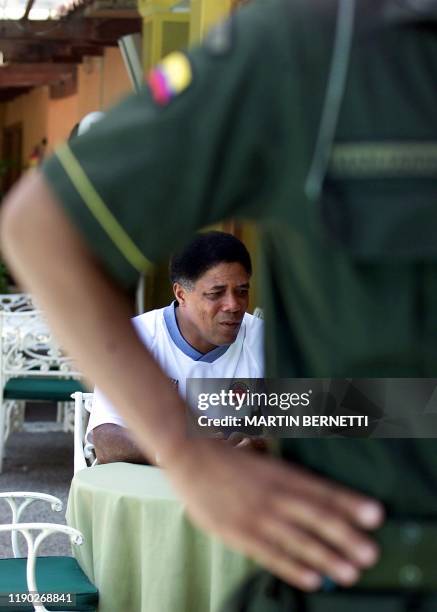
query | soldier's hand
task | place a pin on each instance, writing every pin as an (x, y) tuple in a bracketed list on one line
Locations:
[(298, 525)]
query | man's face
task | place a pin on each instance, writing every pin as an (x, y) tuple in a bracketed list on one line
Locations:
[(211, 313)]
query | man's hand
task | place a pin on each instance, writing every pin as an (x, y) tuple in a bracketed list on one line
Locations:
[(242, 441), (298, 525)]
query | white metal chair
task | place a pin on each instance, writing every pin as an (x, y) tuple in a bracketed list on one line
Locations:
[(27, 580), (22, 302), (16, 302), (258, 313), (32, 367), (83, 452)]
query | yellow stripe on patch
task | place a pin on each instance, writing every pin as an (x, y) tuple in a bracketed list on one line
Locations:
[(100, 211), (178, 70)]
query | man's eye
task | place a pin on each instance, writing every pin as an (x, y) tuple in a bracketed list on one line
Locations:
[(213, 296)]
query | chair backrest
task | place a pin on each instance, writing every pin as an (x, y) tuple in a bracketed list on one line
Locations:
[(16, 302), (28, 348), (258, 313), (34, 534), (83, 452)]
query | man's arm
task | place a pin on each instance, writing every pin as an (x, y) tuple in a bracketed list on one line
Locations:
[(114, 443), (296, 524)]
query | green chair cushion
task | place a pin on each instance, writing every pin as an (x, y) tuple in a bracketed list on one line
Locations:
[(53, 575), (41, 388)]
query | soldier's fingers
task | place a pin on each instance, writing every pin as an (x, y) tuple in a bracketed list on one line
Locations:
[(271, 556), (329, 526), (304, 548), (364, 511)]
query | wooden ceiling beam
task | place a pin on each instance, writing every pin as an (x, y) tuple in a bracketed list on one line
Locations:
[(65, 87), (111, 8), (6, 95), (89, 31), (30, 51), (35, 75)]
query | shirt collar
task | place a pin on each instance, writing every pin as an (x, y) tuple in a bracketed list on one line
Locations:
[(175, 334)]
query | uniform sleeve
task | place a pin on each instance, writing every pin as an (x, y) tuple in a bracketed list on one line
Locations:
[(151, 173)]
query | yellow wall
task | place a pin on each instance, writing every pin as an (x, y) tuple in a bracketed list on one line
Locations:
[(115, 80), (61, 118), (31, 111), (88, 86), (102, 81), (204, 14)]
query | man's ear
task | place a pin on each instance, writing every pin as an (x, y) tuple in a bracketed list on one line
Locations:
[(179, 293)]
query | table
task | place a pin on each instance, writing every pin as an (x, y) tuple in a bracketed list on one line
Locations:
[(140, 549)]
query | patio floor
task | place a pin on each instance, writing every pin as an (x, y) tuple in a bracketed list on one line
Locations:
[(40, 462)]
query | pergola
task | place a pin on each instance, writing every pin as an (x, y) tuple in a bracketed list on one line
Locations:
[(35, 52)]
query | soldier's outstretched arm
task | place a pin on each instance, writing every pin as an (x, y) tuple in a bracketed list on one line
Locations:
[(299, 526)]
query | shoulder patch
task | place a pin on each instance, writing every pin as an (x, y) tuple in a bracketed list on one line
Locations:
[(220, 39), (170, 78)]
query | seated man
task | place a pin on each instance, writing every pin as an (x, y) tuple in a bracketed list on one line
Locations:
[(204, 333)]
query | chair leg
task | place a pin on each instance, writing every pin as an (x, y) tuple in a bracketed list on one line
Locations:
[(14, 416), (2, 428), (68, 421), (60, 412), (8, 407)]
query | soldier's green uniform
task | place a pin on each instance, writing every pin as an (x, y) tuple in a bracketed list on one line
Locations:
[(350, 277)]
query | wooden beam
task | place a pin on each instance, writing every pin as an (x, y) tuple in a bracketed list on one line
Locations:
[(29, 51), (65, 87), (6, 95), (35, 75), (114, 9), (112, 13), (92, 31)]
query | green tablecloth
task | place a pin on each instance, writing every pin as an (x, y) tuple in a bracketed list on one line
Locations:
[(140, 550)]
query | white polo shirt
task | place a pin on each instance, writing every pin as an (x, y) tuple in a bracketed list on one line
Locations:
[(159, 331)]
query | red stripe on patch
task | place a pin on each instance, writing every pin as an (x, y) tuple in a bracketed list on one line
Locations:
[(159, 87)]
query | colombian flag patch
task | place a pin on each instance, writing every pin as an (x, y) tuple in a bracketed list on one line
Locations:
[(170, 78)]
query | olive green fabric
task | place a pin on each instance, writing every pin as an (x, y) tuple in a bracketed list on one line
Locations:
[(53, 575), (349, 281), (140, 549), (41, 388)]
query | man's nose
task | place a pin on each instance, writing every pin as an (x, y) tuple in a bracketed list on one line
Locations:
[(231, 303)]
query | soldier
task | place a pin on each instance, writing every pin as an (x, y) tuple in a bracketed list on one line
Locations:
[(318, 120)]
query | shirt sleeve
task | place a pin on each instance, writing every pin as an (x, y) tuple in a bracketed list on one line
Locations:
[(152, 172), (102, 412)]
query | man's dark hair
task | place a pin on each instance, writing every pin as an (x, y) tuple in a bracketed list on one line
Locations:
[(203, 253)]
